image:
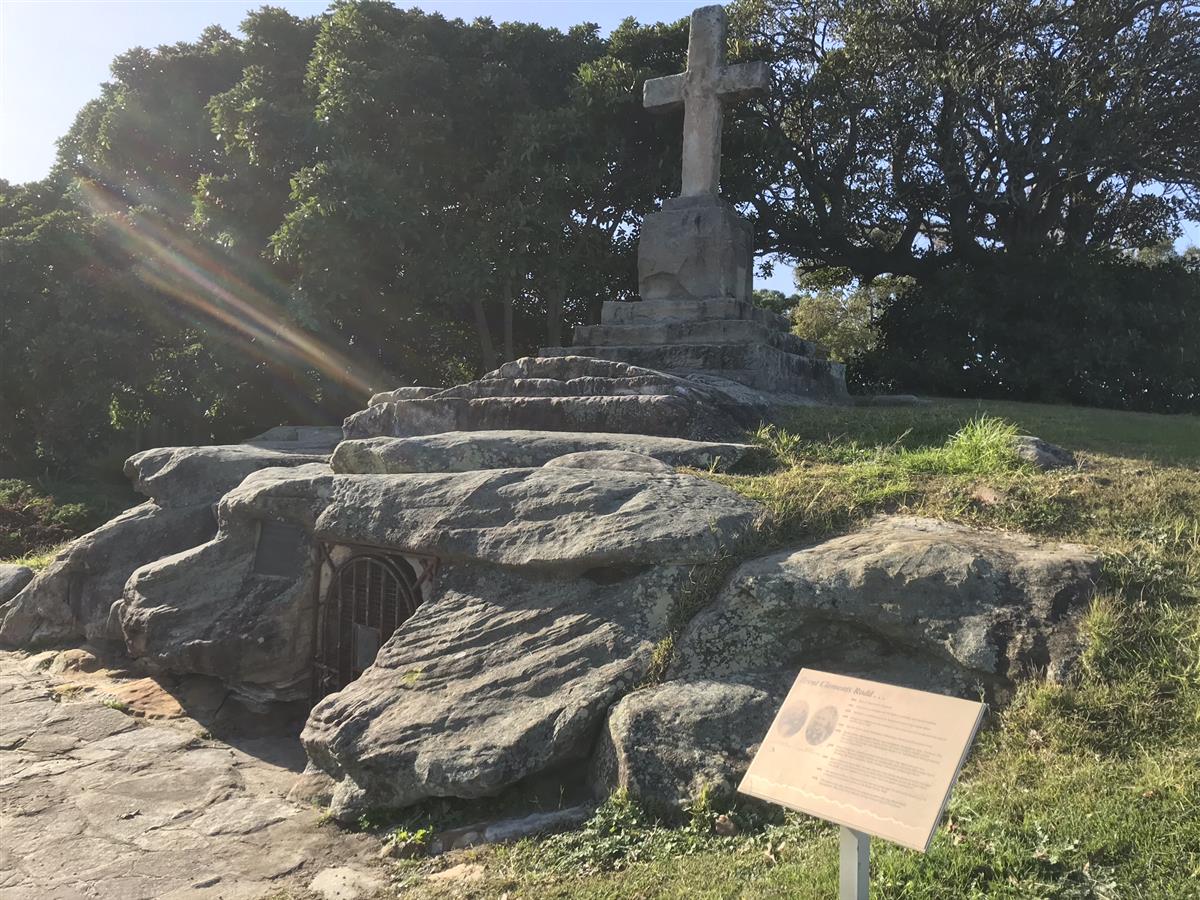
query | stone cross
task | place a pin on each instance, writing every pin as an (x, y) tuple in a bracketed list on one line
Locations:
[(700, 91)]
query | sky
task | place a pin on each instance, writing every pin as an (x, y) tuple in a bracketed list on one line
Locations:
[(54, 54)]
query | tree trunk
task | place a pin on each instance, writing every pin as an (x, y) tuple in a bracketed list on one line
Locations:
[(486, 349), (555, 295), (509, 350)]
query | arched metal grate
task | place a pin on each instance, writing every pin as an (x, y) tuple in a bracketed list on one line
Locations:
[(370, 595)]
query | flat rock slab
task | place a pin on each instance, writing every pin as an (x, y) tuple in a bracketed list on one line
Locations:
[(558, 518), (464, 451), (563, 392), (187, 476), (345, 883), (613, 460), (96, 804)]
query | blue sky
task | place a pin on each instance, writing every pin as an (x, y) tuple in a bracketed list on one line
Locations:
[(54, 54)]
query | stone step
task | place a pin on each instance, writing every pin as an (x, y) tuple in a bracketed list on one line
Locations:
[(669, 416), (759, 366), (695, 331), (615, 312)]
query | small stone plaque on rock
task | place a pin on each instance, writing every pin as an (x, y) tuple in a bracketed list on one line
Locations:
[(280, 550), (871, 757)]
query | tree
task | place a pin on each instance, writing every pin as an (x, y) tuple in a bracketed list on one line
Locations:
[(841, 312), (903, 138), (776, 301)]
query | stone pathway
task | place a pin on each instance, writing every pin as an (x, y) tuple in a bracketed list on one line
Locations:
[(95, 803)]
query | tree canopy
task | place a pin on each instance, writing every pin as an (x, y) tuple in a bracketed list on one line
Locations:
[(265, 227)]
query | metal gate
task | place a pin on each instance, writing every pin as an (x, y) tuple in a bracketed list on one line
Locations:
[(369, 596)]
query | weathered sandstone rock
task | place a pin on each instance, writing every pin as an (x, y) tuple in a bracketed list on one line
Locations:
[(402, 393), (502, 674), (72, 597), (190, 476), (616, 460), (465, 451), (563, 393), (667, 743), (555, 586), (212, 610), (988, 606), (905, 600), (13, 580), (1043, 454), (558, 518)]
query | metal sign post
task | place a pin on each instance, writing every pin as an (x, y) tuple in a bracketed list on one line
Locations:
[(855, 867), (812, 760)]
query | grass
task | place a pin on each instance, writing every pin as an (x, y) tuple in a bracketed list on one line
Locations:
[(1088, 790)]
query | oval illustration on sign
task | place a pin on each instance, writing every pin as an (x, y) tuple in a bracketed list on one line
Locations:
[(822, 725), (793, 719)]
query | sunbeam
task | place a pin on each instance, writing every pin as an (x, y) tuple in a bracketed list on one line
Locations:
[(180, 267)]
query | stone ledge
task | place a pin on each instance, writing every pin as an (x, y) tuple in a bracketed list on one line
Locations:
[(619, 312), (759, 366), (465, 451), (668, 416), (695, 331)]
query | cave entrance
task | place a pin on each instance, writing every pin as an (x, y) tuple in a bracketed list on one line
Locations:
[(364, 595)]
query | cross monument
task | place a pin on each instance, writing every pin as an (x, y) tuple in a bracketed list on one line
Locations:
[(700, 91), (696, 317)]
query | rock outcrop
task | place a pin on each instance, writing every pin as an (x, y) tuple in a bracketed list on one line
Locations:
[(534, 551), (74, 596), (904, 600), (219, 609), (190, 476), (555, 585), (465, 451), (568, 393)]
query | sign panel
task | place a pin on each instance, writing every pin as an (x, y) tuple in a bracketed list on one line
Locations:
[(869, 756)]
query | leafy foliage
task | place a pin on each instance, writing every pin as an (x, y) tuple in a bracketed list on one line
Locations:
[(37, 517), (901, 138), (246, 230), (1065, 329)]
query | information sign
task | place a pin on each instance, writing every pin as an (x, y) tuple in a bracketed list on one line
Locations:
[(872, 757)]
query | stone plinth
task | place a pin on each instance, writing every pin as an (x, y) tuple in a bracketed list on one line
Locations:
[(696, 318), (722, 337), (697, 248)]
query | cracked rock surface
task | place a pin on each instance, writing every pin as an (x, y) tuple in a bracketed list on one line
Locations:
[(94, 803)]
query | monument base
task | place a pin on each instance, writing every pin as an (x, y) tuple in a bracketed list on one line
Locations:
[(722, 337), (696, 247)]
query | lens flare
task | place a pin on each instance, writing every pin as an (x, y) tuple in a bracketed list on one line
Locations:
[(184, 269)]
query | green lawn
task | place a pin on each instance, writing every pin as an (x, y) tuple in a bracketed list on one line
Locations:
[(1085, 791)]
